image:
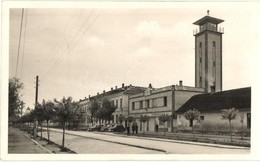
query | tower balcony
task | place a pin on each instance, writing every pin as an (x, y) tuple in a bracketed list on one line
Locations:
[(210, 28)]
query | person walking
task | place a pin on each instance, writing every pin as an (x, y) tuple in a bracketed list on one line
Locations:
[(156, 127), (136, 128), (133, 128)]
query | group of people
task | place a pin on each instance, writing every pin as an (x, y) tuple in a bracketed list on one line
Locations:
[(134, 128)]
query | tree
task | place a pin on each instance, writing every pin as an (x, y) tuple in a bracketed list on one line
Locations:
[(14, 100), (65, 112), (107, 109), (164, 118), (144, 118), (242, 116), (48, 110), (93, 110), (229, 114), (192, 115), (38, 114), (121, 118)]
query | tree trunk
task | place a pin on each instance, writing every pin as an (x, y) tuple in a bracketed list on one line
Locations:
[(48, 131), (41, 130), (63, 135), (230, 130), (193, 131), (164, 129)]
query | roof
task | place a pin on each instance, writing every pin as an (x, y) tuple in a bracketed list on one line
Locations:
[(208, 19), (238, 98)]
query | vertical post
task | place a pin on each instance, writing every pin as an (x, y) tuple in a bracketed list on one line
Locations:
[(36, 102)]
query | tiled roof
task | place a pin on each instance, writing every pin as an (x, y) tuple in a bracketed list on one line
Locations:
[(238, 98)]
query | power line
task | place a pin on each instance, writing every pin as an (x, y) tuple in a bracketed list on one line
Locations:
[(66, 29), (24, 42), (62, 55), (19, 43)]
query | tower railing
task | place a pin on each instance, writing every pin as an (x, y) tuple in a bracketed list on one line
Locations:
[(198, 30)]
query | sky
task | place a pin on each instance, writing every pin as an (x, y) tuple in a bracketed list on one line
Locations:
[(81, 51)]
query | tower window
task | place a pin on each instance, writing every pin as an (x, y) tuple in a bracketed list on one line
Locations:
[(200, 44), (214, 44)]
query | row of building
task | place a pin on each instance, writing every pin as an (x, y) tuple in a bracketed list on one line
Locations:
[(174, 100)]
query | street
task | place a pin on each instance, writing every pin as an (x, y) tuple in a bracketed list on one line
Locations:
[(83, 142)]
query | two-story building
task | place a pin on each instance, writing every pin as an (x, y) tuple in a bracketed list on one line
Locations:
[(154, 102)]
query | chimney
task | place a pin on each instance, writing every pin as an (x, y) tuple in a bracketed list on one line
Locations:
[(88, 96), (104, 91), (85, 98), (123, 85), (111, 88), (116, 87), (180, 83), (150, 85), (97, 93)]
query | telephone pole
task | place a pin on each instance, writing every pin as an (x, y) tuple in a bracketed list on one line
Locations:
[(36, 103), (36, 92)]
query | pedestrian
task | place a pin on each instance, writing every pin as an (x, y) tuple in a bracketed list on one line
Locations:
[(136, 128), (156, 127), (128, 129), (133, 128)]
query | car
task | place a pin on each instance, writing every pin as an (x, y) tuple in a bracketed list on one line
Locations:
[(117, 128), (95, 128), (106, 127)]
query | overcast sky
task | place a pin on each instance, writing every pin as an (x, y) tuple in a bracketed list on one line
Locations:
[(79, 52)]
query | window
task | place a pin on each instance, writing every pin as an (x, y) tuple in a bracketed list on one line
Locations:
[(201, 117), (147, 104), (116, 103), (214, 44), (200, 81), (164, 101), (121, 102), (248, 120), (200, 44), (154, 103), (200, 59), (141, 125), (133, 105), (140, 104)]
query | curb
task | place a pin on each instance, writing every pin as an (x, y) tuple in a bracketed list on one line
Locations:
[(143, 147), (35, 142), (183, 142)]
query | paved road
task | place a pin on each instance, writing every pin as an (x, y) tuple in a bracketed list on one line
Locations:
[(91, 142), (18, 143)]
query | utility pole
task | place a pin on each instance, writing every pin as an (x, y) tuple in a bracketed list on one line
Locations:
[(36, 103)]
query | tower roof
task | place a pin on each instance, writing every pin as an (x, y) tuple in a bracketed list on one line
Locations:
[(208, 19)]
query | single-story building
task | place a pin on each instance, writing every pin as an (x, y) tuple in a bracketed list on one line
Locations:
[(210, 106)]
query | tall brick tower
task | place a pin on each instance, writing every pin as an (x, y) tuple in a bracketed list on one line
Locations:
[(208, 54)]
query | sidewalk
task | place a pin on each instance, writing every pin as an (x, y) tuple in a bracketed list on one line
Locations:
[(18, 143)]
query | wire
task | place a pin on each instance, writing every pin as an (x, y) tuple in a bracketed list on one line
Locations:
[(24, 42), (21, 26), (62, 55)]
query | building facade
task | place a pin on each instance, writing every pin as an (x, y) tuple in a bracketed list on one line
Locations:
[(156, 102)]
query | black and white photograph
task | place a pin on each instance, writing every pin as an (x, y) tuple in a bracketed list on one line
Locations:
[(143, 81)]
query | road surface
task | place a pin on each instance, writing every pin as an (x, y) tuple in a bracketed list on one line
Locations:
[(84, 142)]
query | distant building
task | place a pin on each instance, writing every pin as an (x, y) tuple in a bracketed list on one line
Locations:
[(119, 98), (211, 104)]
